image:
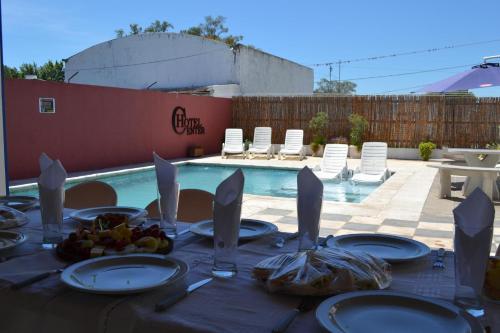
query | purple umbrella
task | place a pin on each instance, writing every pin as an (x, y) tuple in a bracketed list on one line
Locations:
[(480, 76)]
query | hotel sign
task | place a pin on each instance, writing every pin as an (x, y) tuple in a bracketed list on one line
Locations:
[(182, 124)]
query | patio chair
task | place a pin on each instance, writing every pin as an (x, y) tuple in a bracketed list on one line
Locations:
[(293, 144), (233, 142), (90, 194), (334, 163), (373, 169), (194, 206), (261, 142)]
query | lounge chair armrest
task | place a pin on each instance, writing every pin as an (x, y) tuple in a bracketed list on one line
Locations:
[(355, 171), (387, 174), (223, 144), (250, 145), (317, 168)]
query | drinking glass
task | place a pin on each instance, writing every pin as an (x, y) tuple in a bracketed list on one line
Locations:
[(226, 234), (471, 260), (51, 210), (167, 206)]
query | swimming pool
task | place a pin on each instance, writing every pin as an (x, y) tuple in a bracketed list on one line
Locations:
[(139, 188)]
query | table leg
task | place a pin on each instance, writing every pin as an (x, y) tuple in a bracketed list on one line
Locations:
[(445, 182), (489, 182), (490, 161)]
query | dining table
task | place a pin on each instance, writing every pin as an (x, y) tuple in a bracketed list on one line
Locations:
[(482, 158), (238, 304)]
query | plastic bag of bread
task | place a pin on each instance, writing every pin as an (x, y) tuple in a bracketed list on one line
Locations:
[(322, 272)]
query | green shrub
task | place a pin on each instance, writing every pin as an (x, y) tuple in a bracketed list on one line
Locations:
[(318, 126), (338, 140), (426, 149), (358, 126), (247, 144), (315, 147)]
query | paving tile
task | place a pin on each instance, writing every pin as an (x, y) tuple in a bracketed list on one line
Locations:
[(366, 220), (327, 231), (399, 231), (348, 232), (335, 217), (287, 220), (360, 227), (434, 233), (332, 224), (400, 223), (276, 211), (435, 243), (436, 226)]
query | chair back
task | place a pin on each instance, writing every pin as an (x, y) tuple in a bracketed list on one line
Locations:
[(294, 139), (334, 157), (194, 206), (90, 194), (262, 137), (373, 158), (234, 138)]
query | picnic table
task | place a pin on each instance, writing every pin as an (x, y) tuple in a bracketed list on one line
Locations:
[(490, 159), (239, 304)]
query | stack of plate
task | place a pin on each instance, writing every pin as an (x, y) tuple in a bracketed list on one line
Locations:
[(19, 202), (10, 239), (249, 229)]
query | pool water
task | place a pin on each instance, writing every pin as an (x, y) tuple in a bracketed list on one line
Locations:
[(139, 188)]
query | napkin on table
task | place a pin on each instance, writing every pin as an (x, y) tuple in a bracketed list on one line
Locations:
[(51, 192), (166, 176), (309, 202), (474, 219), (227, 209)]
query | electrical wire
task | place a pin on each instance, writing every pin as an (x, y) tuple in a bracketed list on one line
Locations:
[(436, 49)]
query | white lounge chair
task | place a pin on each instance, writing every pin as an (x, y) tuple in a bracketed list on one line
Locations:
[(334, 163), (293, 144), (261, 142), (373, 167), (233, 142)]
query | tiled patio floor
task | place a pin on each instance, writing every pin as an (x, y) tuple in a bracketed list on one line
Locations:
[(407, 205)]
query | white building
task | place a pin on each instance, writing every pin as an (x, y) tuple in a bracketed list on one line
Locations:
[(172, 61)]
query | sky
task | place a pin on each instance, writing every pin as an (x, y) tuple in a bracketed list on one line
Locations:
[(308, 32)]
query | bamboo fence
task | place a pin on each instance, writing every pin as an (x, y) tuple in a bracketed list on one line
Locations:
[(402, 121)]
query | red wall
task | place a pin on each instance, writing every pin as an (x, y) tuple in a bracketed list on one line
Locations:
[(99, 127)]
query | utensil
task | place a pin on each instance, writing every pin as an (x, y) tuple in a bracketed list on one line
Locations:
[(176, 297), (279, 242), (124, 274), (391, 312), (324, 242), (10, 239), (306, 304), (392, 249), (438, 263), (87, 216), (36, 278), (249, 229)]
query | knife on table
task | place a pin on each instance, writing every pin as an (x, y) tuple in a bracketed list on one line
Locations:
[(179, 295)]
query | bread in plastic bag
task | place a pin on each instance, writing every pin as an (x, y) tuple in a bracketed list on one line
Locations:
[(323, 272)]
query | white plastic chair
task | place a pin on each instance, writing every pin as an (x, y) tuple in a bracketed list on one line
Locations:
[(334, 163), (233, 142), (373, 167), (293, 144), (261, 142)]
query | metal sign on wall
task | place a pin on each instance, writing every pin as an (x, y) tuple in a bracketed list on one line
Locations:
[(182, 124)]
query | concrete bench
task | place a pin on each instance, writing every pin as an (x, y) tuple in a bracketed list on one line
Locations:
[(488, 175)]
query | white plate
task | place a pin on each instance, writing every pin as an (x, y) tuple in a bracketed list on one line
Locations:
[(249, 229), (10, 239), (88, 215), (391, 248), (129, 274), (19, 202), (392, 312)]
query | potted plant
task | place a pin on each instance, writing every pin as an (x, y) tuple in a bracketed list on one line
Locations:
[(426, 149), (358, 126), (318, 126)]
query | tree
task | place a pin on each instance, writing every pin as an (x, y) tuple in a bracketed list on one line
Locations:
[(336, 87), (50, 71), (136, 29), (214, 28), (11, 72)]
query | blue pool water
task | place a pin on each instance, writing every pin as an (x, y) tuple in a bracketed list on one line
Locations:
[(139, 188)]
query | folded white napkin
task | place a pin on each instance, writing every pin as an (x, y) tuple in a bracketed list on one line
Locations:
[(168, 188), (51, 192), (45, 161), (309, 202), (474, 219), (227, 210)]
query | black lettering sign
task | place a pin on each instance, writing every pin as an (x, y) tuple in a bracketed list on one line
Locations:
[(182, 124)]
